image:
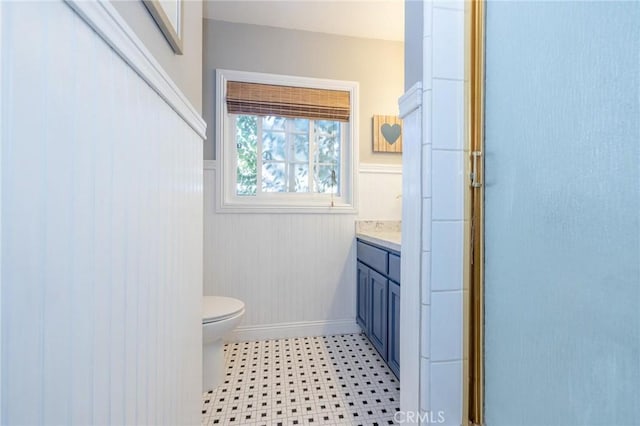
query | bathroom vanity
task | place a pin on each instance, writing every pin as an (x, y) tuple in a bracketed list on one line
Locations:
[(378, 291)]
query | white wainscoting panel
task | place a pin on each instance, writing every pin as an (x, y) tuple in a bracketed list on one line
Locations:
[(101, 232), (380, 192), (295, 272)]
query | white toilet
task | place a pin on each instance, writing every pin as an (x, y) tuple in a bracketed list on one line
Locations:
[(220, 315)]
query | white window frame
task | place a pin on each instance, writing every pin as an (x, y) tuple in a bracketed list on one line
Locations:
[(227, 201)]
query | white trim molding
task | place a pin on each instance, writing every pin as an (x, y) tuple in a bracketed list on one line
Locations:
[(210, 165), (1, 143), (412, 205), (294, 329), (226, 199), (381, 169), (107, 22), (411, 100)]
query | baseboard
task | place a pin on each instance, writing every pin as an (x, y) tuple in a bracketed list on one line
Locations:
[(293, 329)]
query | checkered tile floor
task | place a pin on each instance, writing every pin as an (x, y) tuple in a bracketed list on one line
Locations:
[(330, 380)]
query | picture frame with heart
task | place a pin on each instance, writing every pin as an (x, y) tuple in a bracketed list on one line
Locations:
[(387, 133)]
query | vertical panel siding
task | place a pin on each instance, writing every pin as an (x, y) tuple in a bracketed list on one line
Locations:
[(292, 268), (101, 233), (287, 268)]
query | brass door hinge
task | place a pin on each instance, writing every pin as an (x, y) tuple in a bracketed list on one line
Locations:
[(474, 176)]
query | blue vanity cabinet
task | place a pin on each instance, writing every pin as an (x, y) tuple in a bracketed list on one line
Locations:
[(378, 330), (393, 353), (363, 300), (378, 300)]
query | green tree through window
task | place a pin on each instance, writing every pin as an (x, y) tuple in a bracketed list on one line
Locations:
[(287, 155), (247, 146)]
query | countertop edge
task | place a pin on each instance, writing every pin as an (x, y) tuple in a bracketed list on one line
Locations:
[(391, 245)]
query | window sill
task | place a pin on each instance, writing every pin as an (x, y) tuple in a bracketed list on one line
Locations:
[(285, 209), (223, 206)]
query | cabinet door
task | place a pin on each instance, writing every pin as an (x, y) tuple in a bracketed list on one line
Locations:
[(363, 298), (378, 318), (393, 350)]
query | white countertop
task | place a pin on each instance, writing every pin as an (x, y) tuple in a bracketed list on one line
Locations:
[(389, 239)]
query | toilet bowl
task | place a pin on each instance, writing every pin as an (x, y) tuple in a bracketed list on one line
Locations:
[(220, 315)]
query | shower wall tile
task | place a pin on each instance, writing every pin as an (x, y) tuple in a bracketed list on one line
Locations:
[(426, 170), (426, 227), (448, 44), (446, 324), (426, 279), (446, 390), (447, 256), (448, 117), (447, 192), (443, 181), (425, 397)]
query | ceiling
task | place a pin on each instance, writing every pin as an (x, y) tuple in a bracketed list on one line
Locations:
[(377, 19)]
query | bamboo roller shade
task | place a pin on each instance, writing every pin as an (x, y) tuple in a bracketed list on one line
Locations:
[(287, 101)]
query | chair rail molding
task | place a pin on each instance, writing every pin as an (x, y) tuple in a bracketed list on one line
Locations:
[(390, 169), (411, 100)]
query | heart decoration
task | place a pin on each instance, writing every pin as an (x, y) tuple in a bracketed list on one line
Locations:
[(390, 133)]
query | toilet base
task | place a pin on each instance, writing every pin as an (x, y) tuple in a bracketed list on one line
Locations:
[(212, 365)]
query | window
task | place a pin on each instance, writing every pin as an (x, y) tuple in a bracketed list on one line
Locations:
[(285, 143), (278, 154)]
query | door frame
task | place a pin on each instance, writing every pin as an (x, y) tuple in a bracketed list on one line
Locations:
[(476, 52), (2, 131)]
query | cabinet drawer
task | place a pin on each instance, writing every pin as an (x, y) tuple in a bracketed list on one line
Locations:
[(394, 267), (373, 256)]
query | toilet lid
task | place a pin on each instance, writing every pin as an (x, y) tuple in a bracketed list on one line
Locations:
[(217, 308)]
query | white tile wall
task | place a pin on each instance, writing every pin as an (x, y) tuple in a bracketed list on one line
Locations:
[(427, 69), (426, 278), (446, 273), (425, 396), (448, 43), (427, 11), (426, 165), (426, 230), (426, 119), (446, 389), (442, 185), (425, 324), (446, 320), (447, 178), (448, 117), (426, 193), (449, 4)]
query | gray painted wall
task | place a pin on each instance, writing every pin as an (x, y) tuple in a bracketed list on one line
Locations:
[(377, 65), (413, 34), (185, 70)]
